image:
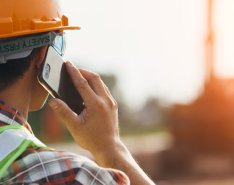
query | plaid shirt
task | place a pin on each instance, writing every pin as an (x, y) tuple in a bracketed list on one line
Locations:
[(50, 167)]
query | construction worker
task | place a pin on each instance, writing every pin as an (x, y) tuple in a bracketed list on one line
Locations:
[(27, 28)]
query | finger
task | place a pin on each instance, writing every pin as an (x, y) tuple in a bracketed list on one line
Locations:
[(81, 84), (107, 89), (95, 82), (64, 113), (114, 102)]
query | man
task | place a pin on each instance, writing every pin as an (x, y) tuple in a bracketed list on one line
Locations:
[(27, 28)]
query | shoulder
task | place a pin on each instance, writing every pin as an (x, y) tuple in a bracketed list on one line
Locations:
[(59, 167)]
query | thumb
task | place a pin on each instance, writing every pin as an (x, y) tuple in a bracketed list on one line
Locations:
[(64, 113)]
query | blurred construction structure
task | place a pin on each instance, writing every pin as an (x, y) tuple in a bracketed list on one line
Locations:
[(207, 124), (203, 130)]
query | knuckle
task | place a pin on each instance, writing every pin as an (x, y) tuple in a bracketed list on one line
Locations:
[(100, 105), (59, 108), (104, 105), (96, 76), (83, 83), (112, 103), (63, 111), (116, 105)]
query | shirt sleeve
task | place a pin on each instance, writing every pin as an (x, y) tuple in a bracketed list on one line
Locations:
[(56, 167), (90, 173)]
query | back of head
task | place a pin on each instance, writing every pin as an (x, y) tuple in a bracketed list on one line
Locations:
[(14, 69), (27, 19)]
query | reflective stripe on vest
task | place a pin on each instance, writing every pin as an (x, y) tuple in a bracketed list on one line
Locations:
[(14, 140)]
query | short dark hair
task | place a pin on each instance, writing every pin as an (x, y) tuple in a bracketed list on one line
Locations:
[(15, 69)]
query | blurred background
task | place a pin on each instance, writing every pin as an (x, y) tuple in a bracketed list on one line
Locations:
[(170, 66)]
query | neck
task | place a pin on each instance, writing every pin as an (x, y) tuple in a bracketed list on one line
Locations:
[(18, 100), (19, 94)]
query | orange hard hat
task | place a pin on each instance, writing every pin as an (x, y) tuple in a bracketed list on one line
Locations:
[(24, 17)]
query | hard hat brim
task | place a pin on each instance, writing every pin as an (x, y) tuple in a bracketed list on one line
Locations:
[(27, 32)]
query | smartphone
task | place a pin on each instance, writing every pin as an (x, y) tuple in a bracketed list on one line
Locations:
[(53, 76)]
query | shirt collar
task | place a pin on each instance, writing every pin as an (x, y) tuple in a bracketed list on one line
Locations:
[(10, 116)]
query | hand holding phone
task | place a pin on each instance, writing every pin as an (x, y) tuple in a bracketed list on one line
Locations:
[(53, 76)]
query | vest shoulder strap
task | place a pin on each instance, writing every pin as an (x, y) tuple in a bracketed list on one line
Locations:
[(15, 139)]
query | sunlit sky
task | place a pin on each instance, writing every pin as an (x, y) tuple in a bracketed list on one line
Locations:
[(155, 47)]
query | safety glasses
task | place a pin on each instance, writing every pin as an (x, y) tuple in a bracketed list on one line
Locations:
[(22, 47), (59, 42)]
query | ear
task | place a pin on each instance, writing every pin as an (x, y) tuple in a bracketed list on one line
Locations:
[(41, 56)]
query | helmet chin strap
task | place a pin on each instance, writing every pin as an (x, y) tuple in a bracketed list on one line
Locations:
[(2, 60), (23, 54)]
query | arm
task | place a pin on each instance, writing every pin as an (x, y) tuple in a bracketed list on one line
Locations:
[(96, 128)]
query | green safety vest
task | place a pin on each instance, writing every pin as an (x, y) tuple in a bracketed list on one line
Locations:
[(14, 140)]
